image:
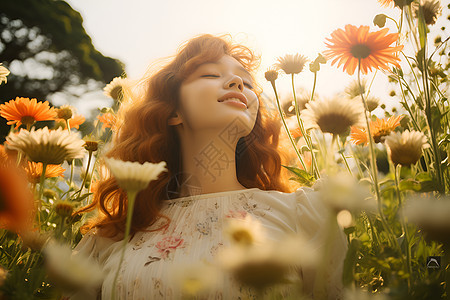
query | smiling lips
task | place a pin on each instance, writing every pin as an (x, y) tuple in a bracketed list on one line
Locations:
[(233, 96)]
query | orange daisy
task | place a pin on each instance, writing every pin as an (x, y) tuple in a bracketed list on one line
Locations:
[(379, 129), (354, 44), (26, 111), (34, 171), (16, 200), (108, 120), (74, 122), (386, 3)]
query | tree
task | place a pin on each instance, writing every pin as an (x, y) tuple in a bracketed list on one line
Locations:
[(44, 44)]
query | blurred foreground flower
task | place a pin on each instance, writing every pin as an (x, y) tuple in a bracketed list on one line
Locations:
[(25, 111), (431, 9), (4, 72), (334, 115), (34, 171), (245, 232), (195, 280), (49, 147), (354, 44), (16, 200), (263, 265), (71, 272), (379, 128), (34, 240), (405, 148), (344, 192), (292, 64), (359, 294), (431, 215), (133, 176), (114, 89)]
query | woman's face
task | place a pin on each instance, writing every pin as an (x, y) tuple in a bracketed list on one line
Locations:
[(208, 97)]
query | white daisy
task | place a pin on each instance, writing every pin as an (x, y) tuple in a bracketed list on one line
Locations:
[(245, 232), (195, 280), (292, 64), (343, 192), (335, 115), (405, 148), (133, 176), (270, 263), (47, 146), (71, 272), (432, 9), (114, 89), (431, 215)]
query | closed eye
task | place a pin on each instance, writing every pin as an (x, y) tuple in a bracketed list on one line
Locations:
[(210, 75), (248, 85)]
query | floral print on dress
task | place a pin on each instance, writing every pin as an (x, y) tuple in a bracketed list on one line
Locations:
[(236, 214), (204, 228), (168, 245)]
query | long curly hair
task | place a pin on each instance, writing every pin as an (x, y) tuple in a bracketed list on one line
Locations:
[(143, 135)]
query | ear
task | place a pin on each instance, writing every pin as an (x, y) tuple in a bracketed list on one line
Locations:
[(175, 120)]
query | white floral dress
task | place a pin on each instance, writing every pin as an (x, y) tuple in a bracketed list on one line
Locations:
[(195, 234)]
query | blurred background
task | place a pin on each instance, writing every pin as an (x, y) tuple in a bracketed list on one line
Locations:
[(66, 51)]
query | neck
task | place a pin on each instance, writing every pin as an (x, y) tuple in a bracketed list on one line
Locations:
[(208, 162)]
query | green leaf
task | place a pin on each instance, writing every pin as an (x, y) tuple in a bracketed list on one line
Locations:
[(422, 28), (301, 176), (82, 197), (409, 185)]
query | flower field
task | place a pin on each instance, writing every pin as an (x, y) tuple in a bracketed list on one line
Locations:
[(383, 173)]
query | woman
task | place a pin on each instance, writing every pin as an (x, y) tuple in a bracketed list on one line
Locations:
[(202, 114)]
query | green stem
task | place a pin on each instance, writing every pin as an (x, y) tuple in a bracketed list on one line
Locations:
[(320, 289), (315, 167), (85, 176), (41, 191), (307, 137), (314, 87), (373, 163), (341, 151), (72, 164), (357, 162), (286, 127), (131, 195), (435, 147), (403, 224)]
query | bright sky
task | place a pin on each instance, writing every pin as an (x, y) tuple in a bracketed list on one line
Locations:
[(140, 31)]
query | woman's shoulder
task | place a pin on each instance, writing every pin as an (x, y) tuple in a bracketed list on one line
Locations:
[(94, 243)]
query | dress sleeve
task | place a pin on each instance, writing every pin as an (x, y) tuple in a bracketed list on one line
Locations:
[(314, 221), (88, 246)]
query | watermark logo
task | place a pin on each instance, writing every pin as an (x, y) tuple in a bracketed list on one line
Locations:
[(433, 262)]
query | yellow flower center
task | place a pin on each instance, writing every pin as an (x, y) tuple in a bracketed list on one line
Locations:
[(91, 146), (243, 237), (360, 51), (334, 123)]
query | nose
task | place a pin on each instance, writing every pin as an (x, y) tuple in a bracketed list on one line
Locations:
[(235, 82)]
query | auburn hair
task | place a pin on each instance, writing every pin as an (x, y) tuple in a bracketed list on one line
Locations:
[(143, 135)]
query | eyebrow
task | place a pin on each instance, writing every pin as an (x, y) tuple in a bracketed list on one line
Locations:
[(240, 68)]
